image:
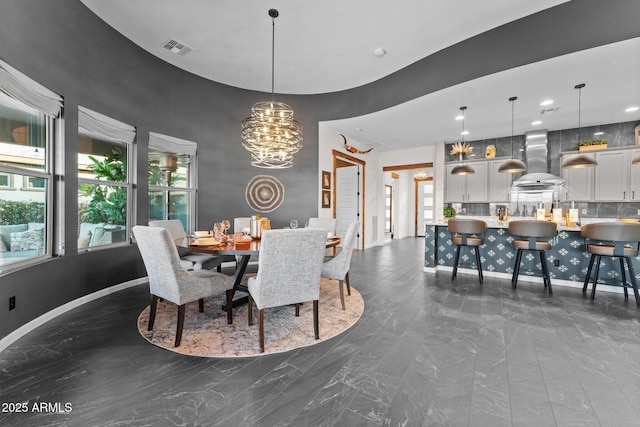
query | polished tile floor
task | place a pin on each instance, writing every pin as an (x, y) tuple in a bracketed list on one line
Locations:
[(426, 352)]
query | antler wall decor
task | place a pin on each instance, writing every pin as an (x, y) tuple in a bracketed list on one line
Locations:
[(351, 149), (461, 148)]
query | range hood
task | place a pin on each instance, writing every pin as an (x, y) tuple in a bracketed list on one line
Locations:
[(537, 175)]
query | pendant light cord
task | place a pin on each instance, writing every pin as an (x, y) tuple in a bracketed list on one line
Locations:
[(273, 56), (513, 103), (579, 87)]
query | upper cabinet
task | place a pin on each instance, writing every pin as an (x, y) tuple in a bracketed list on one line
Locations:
[(499, 183), (485, 185), (614, 179)]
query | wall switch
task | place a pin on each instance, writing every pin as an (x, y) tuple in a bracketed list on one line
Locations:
[(12, 302), (584, 212)]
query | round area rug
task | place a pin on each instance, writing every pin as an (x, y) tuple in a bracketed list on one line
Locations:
[(208, 334), (264, 193)]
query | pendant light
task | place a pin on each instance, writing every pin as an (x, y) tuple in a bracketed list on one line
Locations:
[(271, 134), (580, 160), (462, 168), (512, 165)]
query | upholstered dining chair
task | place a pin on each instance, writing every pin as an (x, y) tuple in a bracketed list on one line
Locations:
[(612, 240), (190, 260), (170, 280), (288, 273), (327, 224), (337, 267), (526, 234)]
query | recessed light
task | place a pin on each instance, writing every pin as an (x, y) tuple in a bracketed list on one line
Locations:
[(547, 102), (536, 123), (466, 132), (459, 117), (632, 109), (598, 133), (380, 52), (358, 130)]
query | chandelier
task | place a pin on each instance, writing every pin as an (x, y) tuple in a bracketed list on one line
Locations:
[(271, 134)]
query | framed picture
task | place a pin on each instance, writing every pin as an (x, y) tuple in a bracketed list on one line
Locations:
[(326, 199), (326, 180)]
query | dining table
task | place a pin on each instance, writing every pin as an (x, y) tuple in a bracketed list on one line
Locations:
[(242, 246)]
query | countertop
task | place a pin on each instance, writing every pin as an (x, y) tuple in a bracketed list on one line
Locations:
[(493, 222)]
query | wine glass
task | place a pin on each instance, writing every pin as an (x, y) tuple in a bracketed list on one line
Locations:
[(218, 230), (226, 224), (293, 223)]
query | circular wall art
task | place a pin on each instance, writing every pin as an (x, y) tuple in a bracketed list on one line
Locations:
[(264, 193)]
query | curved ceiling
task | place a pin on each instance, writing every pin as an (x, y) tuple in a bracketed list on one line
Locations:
[(320, 47)]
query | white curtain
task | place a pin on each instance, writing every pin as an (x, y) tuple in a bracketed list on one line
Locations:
[(171, 144), (99, 126), (20, 87)]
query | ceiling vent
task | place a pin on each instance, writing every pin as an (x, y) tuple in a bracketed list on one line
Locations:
[(550, 110), (174, 46)]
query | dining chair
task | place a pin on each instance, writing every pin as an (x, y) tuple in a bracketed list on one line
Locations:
[(467, 232), (170, 280), (327, 224), (337, 267), (191, 261), (288, 273), (529, 231), (619, 240)]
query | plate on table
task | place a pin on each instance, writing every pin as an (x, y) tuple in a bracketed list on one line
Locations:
[(205, 241)]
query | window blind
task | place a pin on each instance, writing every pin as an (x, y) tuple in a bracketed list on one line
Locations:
[(98, 125), (20, 87), (171, 144)]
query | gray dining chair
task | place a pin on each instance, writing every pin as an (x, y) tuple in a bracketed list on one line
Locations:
[(288, 273), (612, 240), (327, 224), (337, 267), (170, 280), (191, 260)]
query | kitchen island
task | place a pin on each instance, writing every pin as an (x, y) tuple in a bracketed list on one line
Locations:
[(568, 259)]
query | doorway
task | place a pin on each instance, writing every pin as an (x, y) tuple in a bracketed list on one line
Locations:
[(423, 203), (348, 194)]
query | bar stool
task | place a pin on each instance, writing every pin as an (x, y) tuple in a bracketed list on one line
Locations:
[(467, 232), (530, 230), (614, 240)]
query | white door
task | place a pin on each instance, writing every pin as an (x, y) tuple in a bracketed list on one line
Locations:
[(425, 205), (347, 199)]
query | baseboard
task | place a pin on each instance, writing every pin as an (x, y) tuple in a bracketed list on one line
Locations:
[(525, 278), (41, 320)]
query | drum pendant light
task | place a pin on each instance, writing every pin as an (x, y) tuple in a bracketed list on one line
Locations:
[(512, 165), (462, 168), (580, 160)]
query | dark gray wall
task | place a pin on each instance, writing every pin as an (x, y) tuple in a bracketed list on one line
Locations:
[(62, 45)]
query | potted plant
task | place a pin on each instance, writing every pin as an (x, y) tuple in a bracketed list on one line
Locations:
[(449, 212), (596, 144)]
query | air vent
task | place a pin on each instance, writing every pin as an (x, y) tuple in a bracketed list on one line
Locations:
[(174, 46), (550, 110)]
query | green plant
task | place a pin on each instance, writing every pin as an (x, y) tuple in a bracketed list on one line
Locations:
[(12, 212), (108, 203), (449, 212), (593, 142)]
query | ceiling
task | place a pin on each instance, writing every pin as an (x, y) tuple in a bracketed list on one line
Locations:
[(329, 46)]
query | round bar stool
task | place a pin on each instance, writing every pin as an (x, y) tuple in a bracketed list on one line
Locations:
[(467, 232), (613, 240), (530, 231)]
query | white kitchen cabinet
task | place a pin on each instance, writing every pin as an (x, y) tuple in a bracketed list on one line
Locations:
[(467, 188), (634, 176), (578, 183), (499, 183), (612, 176)]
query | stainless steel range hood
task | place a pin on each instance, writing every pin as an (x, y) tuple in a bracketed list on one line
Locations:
[(537, 175)]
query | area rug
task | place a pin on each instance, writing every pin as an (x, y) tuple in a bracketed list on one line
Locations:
[(208, 334)]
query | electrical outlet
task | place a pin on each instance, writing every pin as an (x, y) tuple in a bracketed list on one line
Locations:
[(556, 262), (12, 302)]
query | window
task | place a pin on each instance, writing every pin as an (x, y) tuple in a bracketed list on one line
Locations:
[(104, 184), (29, 116), (172, 179)]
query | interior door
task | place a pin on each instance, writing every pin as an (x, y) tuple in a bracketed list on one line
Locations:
[(347, 198)]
